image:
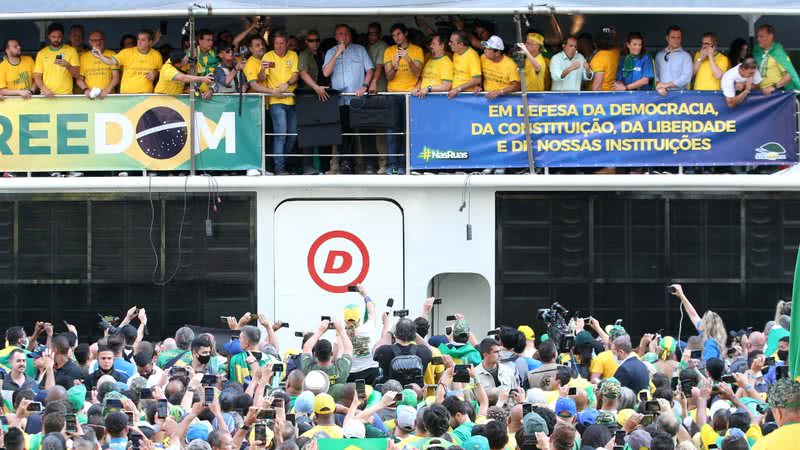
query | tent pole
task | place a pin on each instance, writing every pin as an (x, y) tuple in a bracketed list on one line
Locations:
[(751, 29), (518, 18)]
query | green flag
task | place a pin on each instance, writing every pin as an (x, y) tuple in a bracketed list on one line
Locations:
[(794, 337), (353, 444)]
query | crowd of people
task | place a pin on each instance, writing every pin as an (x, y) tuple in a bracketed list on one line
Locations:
[(382, 376), (452, 58)]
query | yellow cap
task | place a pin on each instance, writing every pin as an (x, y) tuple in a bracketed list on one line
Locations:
[(536, 37), (624, 415), (352, 313), (526, 330), (324, 404)]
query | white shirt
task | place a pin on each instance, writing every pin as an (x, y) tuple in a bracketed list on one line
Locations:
[(731, 77)]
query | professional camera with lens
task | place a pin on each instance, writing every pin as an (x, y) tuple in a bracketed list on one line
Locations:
[(556, 318), (107, 323)]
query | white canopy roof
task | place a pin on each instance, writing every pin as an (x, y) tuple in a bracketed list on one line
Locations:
[(65, 9)]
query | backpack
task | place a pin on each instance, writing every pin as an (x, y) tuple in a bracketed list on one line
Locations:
[(408, 368)]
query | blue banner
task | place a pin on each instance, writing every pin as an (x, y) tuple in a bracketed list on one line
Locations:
[(633, 129)]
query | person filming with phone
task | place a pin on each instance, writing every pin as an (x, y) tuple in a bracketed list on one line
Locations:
[(318, 353)]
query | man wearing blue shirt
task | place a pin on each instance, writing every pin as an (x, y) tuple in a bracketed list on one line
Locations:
[(673, 64), (350, 69)]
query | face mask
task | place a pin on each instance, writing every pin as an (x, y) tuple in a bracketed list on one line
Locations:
[(204, 359), (783, 355)]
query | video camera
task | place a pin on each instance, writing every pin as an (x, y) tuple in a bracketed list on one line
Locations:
[(556, 318), (107, 323)]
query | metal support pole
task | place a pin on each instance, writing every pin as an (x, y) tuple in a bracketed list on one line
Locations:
[(521, 65), (192, 92), (407, 100), (751, 28)]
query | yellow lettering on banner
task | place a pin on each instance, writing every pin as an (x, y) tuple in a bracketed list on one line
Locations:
[(500, 110), (519, 146), (482, 129), (502, 146), (630, 127)]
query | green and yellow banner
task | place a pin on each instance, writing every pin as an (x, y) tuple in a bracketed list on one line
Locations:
[(138, 132), (352, 444)]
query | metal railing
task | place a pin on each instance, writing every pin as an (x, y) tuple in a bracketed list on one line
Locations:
[(367, 145)]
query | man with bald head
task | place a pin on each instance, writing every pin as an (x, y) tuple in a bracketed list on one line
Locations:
[(755, 341)]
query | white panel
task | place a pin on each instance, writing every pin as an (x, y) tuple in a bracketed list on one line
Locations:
[(322, 246)]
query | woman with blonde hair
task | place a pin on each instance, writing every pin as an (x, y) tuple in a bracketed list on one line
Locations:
[(710, 326)]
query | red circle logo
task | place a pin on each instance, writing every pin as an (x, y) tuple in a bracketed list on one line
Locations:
[(338, 261)]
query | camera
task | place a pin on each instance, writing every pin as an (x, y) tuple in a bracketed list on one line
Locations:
[(556, 319), (106, 323)]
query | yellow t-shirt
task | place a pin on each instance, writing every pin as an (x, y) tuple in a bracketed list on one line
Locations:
[(534, 81), (167, 84), (285, 67), (498, 75), (403, 80), (135, 66), (436, 71), (773, 74), (604, 364), (433, 371), (333, 431), (251, 69), (95, 73), (56, 78), (18, 76), (605, 61), (466, 67), (784, 437), (704, 78)]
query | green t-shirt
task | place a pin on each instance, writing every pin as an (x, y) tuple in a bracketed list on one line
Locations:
[(462, 433), (337, 372)]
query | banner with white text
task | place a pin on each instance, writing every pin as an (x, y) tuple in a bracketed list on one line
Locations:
[(629, 129), (129, 132)]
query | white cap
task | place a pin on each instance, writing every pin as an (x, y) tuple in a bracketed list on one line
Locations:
[(494, 43), (94, 92), (536, 396), (354, 429)]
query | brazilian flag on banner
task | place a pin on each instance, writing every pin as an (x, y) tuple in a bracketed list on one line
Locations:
[(353, 444)]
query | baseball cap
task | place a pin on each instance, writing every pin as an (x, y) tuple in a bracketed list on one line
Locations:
[(76, 395), (783, 394), (615, 331), (536, 37), (527, 332), (534, 423), (565, 407), (477, 442), (304, 403), (536, 396), (587, 417), (406, 418), (610, 388), (324, 404), (354, 429), (197, 431), (409, 398), (639, 439), (718, 405), (494, 43), (624, 415), (605, 418), (583, 338), (461, 327), (316, 381), (352, 313)]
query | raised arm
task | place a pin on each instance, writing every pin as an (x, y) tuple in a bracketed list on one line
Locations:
[(678, 292)]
